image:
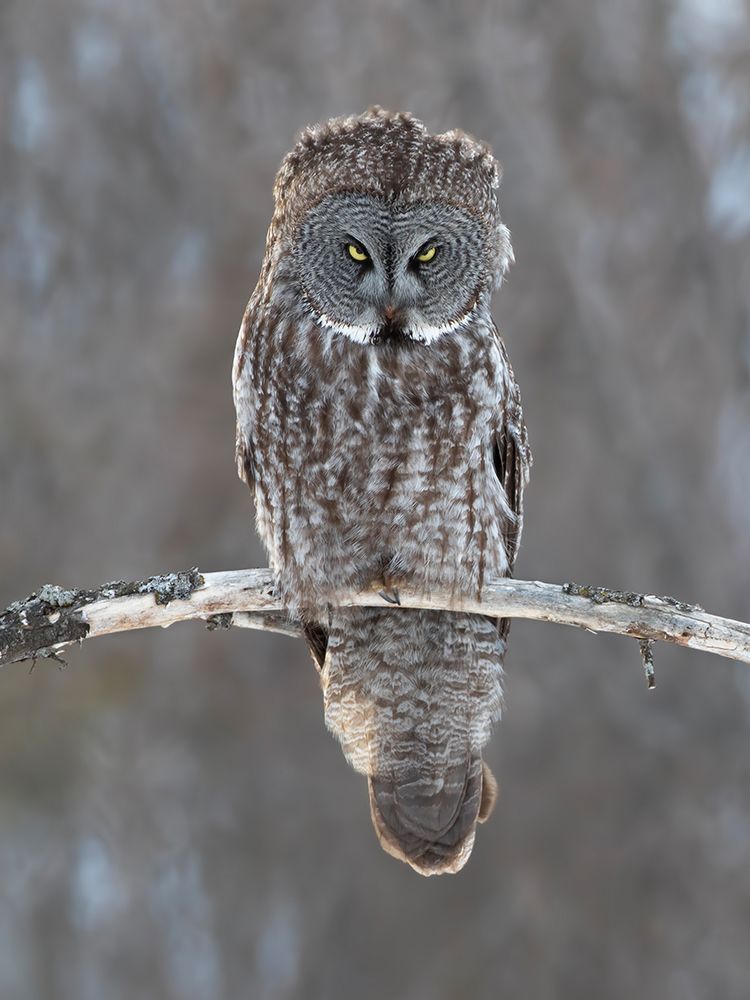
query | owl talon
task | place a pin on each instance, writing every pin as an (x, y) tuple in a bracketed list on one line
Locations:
[(391, 595)]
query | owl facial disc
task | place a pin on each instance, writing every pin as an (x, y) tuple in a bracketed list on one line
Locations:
[(378, 271)]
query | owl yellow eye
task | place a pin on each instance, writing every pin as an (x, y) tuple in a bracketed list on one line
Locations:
[(357, 252), (426, 255)]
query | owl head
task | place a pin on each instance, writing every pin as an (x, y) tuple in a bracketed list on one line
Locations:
[(388, 232)]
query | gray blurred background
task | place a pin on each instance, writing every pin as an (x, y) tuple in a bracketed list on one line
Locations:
[(175, 822)]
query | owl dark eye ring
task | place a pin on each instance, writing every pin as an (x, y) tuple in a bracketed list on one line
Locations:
[(356, 251), (426, 254)]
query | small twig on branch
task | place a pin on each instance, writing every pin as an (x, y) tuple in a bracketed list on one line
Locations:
[(53, 618)]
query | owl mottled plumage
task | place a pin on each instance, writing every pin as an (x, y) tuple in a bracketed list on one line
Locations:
[(379, 425)]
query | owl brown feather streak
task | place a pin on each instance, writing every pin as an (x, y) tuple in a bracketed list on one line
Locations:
[(383, 458)]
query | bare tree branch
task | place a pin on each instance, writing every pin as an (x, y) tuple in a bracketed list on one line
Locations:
[(53, 618)]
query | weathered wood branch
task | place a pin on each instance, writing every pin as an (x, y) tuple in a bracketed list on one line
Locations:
[(53, 618)]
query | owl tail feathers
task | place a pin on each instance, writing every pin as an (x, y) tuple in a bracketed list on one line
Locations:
[(430, 824)]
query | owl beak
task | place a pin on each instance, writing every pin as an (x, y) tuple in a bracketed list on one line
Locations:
[(391, 328)]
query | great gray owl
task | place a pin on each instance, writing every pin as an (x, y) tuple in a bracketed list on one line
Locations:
[(379, 425)]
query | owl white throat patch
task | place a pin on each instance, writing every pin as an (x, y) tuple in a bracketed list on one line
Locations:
[(376, 333)]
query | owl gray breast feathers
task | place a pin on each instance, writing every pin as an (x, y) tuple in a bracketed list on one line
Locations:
[(379, 426)]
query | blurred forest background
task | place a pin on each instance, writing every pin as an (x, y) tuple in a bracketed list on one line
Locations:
[(175, 822)]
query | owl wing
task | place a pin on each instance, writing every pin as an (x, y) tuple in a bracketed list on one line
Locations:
[(243, 387), (511, 457), (244, 456)]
